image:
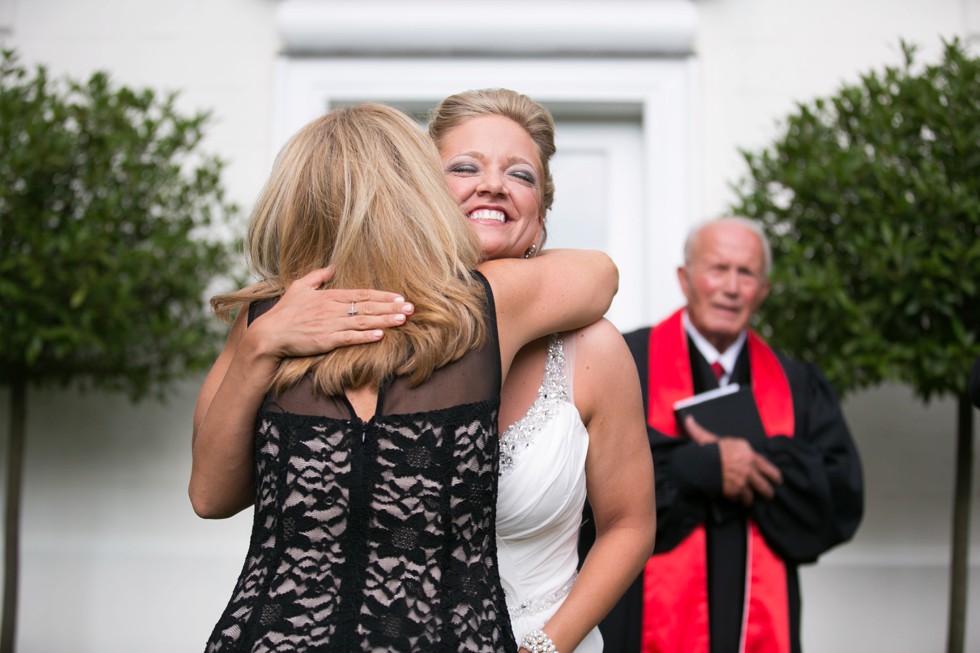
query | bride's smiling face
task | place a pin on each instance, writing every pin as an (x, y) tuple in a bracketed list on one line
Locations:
[(493, 168)]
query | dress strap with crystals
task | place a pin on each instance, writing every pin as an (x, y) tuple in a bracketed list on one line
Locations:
[(552, 394)]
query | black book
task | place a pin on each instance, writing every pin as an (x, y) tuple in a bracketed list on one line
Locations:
[(729, 410)]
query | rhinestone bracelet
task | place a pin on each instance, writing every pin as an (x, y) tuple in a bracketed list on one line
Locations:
[(537, 641)]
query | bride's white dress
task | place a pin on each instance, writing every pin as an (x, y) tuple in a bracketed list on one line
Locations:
[(540, 499)]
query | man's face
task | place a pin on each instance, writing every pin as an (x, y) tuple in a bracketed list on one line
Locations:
[(724, 282)]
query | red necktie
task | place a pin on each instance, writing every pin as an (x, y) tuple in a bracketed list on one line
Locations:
[(719, 371)]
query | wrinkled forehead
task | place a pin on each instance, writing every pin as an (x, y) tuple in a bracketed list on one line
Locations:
[(728, 243)]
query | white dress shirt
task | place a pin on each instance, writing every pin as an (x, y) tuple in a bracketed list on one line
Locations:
[(726, 358)]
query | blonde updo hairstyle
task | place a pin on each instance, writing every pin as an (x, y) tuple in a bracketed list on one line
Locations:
[(533, 118), (361, 188)]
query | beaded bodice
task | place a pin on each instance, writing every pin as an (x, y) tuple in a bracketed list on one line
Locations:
[(540, 499), (552, 394)]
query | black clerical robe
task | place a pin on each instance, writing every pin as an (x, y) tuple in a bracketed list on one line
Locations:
[(818, 505)]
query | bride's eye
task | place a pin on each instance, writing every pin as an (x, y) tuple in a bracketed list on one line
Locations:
[(525, 176), (462, 168)]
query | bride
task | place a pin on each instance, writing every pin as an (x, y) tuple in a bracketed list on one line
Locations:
[(571, 416)]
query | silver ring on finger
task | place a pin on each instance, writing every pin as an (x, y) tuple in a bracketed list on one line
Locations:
[(353, 309)]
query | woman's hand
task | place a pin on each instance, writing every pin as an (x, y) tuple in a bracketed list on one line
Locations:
[(308, 320)]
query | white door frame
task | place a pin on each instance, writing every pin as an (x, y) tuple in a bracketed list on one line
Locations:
[(608, 58)]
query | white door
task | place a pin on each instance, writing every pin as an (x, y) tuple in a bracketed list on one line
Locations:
[(598, 171), (624, 164)]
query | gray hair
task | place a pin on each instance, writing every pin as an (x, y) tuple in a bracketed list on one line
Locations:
[(752, 225)]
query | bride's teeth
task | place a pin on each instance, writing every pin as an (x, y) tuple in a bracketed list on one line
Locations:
[(488, 214)]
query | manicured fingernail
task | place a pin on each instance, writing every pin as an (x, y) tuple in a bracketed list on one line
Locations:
[(408, 308), (399, 298), (399, 318)]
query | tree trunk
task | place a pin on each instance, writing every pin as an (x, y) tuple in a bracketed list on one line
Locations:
[(11, 522), (959, 566)]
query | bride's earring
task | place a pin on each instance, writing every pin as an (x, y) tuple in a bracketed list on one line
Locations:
[(531, 251)]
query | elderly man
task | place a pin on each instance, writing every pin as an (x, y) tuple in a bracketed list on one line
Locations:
[(734, 519)]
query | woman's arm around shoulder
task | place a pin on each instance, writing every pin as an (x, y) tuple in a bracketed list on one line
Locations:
[(221, 446), (619, 476), (305, 321), (557, 291)]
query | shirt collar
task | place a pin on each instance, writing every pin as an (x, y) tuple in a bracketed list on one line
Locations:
[(726, 358)]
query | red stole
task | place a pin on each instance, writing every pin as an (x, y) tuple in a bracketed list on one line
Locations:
[(675, 583)]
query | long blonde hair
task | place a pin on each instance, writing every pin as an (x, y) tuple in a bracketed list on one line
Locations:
[(361, 188)]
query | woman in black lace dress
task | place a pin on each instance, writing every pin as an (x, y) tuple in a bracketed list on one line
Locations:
[(372, 469)]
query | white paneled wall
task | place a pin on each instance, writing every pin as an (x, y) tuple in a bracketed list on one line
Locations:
[(114, 559), (759, 57)]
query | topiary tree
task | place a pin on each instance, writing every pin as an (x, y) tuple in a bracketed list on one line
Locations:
[(871, 199), (108, 214)]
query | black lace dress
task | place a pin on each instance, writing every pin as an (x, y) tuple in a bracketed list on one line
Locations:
[(376, 535)]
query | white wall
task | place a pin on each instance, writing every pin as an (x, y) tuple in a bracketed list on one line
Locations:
[(759, 57), (220, 55), (113, 558)]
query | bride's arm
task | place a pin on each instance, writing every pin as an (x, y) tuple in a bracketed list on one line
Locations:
[(619, 475), (559, 290)]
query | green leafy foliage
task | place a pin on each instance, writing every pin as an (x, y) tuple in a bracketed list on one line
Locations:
[(108, 234), (871, 199)]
